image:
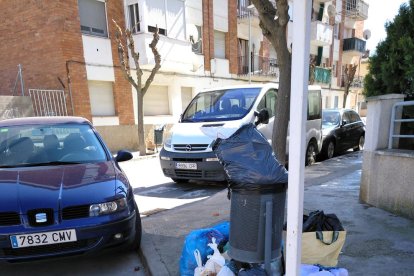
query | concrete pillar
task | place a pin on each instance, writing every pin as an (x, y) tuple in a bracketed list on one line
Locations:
[(376, 138), (379, 119)]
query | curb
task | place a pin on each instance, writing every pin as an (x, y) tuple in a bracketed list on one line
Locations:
[(151, 259)]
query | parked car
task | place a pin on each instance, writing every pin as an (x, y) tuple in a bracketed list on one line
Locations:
[(342, 129), (61, 191)]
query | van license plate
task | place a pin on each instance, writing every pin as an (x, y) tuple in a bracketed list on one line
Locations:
[(186, 166)]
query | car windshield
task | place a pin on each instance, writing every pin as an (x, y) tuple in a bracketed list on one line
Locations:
[(42, 145), (221, 105), (330, 118)]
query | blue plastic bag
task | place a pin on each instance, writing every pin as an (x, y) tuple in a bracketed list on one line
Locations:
[(198, 239)]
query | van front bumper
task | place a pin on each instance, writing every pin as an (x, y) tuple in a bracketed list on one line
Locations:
[(201, 169)]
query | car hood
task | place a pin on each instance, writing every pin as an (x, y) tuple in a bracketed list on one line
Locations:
[(23, 189)]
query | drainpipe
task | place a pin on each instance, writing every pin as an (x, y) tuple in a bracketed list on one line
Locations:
[(70, 87)]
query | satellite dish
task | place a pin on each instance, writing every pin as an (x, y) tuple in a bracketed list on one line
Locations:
[(192, 33), (331, 10), (367, 34)]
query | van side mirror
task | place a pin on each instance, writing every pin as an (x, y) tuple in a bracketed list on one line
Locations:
[(262, 116)]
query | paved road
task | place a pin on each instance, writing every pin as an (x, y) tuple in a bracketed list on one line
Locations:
[(153, 193)]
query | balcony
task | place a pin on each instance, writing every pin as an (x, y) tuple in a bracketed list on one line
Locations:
[(261, 66), (356, 10), (358, 82), (321, 34), (354, 46), (322, 75)]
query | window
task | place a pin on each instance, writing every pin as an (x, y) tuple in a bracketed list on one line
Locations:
[(161, 31), (134, 18), (101, 98), (314, 105), (93, 17), (197, 46), (268, 102), (336, 102), (157, 101), (219, 44), (156, 16)]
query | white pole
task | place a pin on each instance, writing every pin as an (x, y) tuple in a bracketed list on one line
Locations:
[(250, 47), (297, 147)]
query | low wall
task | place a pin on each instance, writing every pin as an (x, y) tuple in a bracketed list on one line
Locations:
[(387, 181), (126, 137)]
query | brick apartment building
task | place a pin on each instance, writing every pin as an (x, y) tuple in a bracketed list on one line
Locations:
[(69, 45)]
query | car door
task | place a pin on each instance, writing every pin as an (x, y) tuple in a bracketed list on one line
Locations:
[(268, 101), (343, 136), (356, 129)]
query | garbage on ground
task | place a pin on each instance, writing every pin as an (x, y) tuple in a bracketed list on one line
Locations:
[(314, 270), (197, 241), (322, 239), (249, 161)]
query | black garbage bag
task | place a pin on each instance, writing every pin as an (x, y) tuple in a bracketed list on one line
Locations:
[(319, 221), (249, 161)]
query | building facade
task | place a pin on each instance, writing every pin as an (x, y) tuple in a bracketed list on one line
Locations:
[(69, 46)]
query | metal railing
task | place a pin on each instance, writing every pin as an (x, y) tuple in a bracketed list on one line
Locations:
[(262, 66), (394, 121), (358, 82), (356, 9), (48, 102), (243, 11), (322, 75), (354, 44)]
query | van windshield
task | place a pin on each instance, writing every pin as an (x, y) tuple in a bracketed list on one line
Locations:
[(220, 105)]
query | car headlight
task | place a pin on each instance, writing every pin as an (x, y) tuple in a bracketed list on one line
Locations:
[(167, 139), (107, 207)]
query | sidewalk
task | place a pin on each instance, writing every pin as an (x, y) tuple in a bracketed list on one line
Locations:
[(377, 243)]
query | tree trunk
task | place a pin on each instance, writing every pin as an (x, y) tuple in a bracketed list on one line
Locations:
[(280, 127), (142, 147), (345, 96)]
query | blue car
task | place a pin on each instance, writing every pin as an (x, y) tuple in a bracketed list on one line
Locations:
[(61, 191)]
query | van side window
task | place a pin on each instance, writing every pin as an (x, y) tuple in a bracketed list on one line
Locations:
[(268, 102), (314, 105)]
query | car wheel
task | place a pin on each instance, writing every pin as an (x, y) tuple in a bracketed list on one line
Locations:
[(135, 242), (180, 180), (329, 150), (310, 157), (361, 143)]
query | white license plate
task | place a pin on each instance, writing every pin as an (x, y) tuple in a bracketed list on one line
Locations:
[(43, 238), (186, 166)]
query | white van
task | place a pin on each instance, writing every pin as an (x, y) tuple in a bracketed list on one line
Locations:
[(187, 152)]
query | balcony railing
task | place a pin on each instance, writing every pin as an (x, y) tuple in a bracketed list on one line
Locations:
[(243, 11), (356, 9), (354, 44), (358, 82), (262, 66), (323, 75)]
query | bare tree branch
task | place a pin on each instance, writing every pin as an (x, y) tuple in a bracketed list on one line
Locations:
[(157, 59), (122, 54)]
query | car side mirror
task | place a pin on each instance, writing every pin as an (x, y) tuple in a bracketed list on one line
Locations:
[(343, 123), (123, 155), (262, 116)]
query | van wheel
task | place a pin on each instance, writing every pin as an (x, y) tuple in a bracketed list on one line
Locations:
[(310, 157), (180, 180)]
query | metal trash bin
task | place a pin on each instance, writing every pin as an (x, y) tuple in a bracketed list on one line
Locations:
[(258, 183), (248, 223), (158, 135)]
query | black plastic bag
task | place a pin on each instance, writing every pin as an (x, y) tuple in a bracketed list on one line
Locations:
[(319, 221), (249, 161)]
